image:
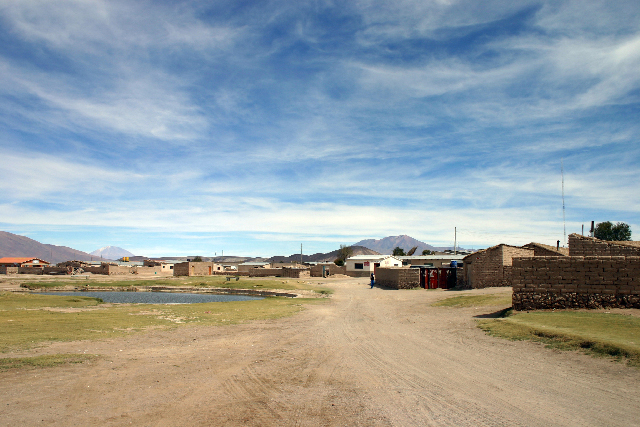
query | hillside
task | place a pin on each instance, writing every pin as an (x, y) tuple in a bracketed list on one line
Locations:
[(21, 246)]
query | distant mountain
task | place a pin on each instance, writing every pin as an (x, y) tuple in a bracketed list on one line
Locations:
[(320, 257), (20, 246), (388, 244), (111, 252)]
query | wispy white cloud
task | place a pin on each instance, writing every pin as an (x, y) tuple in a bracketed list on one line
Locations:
[(289, 121)]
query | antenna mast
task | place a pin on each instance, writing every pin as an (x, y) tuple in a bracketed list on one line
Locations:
[(564, 222)]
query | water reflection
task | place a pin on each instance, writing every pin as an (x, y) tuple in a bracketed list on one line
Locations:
[(154, 297)]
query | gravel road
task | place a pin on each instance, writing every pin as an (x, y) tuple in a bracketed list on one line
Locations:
[(367, 357)]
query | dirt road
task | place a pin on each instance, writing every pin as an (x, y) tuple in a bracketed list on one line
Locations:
[(368, 357)]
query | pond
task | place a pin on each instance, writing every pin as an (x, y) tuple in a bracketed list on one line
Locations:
[(154, 297)]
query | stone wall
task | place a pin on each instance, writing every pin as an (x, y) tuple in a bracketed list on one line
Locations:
[(576, 282), (589, 246), (397, 277), (316, 270)]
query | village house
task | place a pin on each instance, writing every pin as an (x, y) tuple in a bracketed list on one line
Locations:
[(364, 265), (190, 268), (22, 262)]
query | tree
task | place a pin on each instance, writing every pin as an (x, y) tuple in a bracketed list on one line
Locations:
[(412, 251), (343, 253), (608, 231), (428, 252), (197, 259), (398, 251)]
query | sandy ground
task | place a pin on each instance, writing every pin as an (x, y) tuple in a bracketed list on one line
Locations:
[(367, 357)]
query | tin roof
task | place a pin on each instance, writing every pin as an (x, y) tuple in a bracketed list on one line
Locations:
[(371, 257)]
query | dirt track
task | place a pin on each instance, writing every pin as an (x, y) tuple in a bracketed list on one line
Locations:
[(369, 357)]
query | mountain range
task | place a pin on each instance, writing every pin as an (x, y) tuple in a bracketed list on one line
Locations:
[(388, 244), (13, 245)]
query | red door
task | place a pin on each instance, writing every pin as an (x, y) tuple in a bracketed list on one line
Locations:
[(433, 278)]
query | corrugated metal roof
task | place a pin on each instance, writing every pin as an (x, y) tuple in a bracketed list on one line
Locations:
[(442, 256), (371, 257)]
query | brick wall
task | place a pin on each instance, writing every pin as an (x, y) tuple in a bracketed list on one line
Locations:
[(316, 270), (398, 278), (590, 246), (576, 282)]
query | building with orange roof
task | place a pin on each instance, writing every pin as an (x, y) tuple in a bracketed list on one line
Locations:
[(22, 262)]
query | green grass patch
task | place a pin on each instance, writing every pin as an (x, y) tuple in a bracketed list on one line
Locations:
[(475, 301), (205, 282), (602, 334), (7, 363), (30, 320)]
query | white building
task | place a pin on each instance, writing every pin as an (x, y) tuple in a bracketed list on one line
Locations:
[(364, 265)]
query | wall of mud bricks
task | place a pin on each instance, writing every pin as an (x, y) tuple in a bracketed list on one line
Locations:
[(30, 270), (492, 267), (316, 270), (294, 273), (590, 246), (398, 278), (576, 282), (8, 270)]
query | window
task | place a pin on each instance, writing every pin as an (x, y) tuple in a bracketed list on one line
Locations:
[(358, 266)]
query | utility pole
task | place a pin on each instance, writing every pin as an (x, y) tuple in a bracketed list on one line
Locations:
[(300, 253), (455, 240)]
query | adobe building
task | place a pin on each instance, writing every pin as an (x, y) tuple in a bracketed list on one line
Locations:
[(364, 265), (492, 266), (189, 268)]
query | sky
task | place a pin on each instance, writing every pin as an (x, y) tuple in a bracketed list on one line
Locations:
[(251, 128)]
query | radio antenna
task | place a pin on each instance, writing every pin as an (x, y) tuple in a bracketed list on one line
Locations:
[(564, 222)]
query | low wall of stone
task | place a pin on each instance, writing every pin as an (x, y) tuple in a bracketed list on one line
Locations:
[(8, 270), (398, 278), (576, 282)]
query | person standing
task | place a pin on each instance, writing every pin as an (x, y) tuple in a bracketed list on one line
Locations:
[(373, 280)]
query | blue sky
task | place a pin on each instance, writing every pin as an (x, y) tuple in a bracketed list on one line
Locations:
[(182, 128)]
